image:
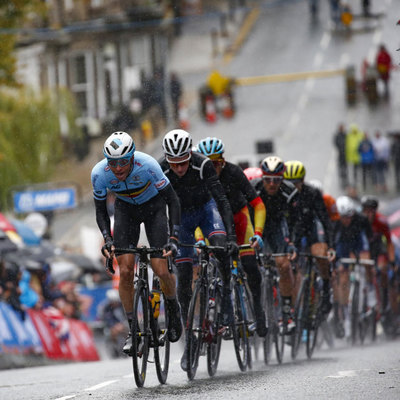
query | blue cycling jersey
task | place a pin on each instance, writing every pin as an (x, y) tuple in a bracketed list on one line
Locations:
[(144, 181)]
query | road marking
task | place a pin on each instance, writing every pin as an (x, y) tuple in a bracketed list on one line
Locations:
[(318, 60), (343, 374), (344, 60), (326, 38), (66, 397), (100, 385)]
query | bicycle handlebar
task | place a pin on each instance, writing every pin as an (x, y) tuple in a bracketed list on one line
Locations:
[(201, 246), (138, 250), (364, 261), (309, 255)]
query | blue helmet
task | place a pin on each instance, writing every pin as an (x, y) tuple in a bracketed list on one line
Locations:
[(119, 145), (210, 146)]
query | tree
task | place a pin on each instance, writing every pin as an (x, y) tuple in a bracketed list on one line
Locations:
[(30, 144), (13, 15)]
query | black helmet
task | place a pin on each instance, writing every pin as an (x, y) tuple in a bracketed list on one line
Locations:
[(369, 201)]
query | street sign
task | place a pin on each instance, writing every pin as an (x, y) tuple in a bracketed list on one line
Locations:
[(44, 200)]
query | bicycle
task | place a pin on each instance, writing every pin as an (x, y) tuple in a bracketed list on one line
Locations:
[(363, 316), (204, 315), (272, 305), (150, 318), (308, 314)]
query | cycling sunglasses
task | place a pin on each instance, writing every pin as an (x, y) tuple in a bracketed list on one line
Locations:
[(272, 179), (122, 162)]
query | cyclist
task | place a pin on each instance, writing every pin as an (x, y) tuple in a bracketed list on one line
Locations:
[(239, 193), (382, 251), (205, 205), (279, 198), (351, 234), (313, 226), (142, 192)]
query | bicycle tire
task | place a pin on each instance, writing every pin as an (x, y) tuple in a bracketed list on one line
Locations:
[(355, 315), (299, 317), (240, 338), (314, 318), (196, 316), (162, 344), (249, 320), (214, 338), (269, 308), (279, 336), (140, 331)]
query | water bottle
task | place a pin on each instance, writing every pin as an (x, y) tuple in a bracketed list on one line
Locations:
[(155, 302)]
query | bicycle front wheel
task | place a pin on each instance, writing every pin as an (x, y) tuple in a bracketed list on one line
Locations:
[(196, 316), (300, 313), (272, 329), (355, 314), (315, 316), (213, 337), (161, 342), (140, 334), (240, 338)]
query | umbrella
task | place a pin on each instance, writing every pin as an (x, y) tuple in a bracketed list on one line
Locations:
[(85, 263), (64, 270), (19, 258), (27, 234), (5, 224), (6, 245)]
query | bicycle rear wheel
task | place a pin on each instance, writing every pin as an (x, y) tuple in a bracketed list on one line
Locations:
[(299, 318), (213, 337), (161, 342), (140, 334), (240, 338), (196, 316)]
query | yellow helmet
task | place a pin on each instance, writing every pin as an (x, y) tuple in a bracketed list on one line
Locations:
[(294, 170)]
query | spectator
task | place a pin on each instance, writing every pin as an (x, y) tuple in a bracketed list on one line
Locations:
[(175, 88), (366, 151), (383, 66), (396, 160), (335, 11), (340, 143), (29, 298), (382, 155), (158, 93), (353, 140), (10, 287), (366, 4)]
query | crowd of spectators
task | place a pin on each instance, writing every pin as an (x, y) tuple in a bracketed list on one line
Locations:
[(364, 160), (26, 287)]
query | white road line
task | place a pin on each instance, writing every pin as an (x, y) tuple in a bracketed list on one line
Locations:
[(128, 376), (100, 385), (376, 39), (318, 60), (326, 38), (302, 101), (344, 60), (66, 397), (343, 374)]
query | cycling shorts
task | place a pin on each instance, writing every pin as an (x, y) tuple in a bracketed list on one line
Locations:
[(276, 236), (128, 218), (210, 222), (314, 234)]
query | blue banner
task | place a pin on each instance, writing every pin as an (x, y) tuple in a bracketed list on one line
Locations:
[(44, 200)]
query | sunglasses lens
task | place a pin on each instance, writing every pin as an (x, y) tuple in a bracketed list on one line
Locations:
[(122, 162), (272, 179)]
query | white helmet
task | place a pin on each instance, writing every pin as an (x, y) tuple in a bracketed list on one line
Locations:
[(177, 143), (345, 206), (119, 145), (316, 184)]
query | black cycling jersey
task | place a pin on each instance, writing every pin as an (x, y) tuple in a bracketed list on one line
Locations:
[(281, 205), (198, 186), (237, 187), (359, 224), (310, 206)]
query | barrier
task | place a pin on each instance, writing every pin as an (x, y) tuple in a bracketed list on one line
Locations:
[(37, 334)]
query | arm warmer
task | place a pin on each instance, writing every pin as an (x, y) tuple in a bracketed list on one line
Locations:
[(102, 218), (174, 209)]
